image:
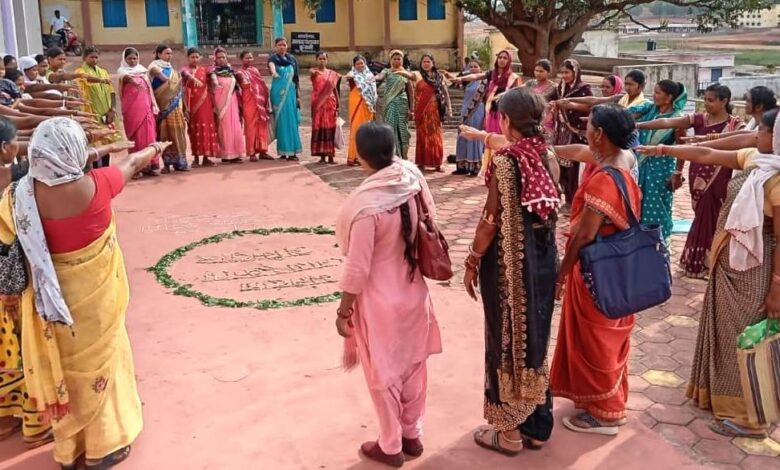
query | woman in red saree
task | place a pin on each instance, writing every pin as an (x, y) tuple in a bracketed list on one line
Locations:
[(324, 109), (590, 366), (139, 108), (255, 104), (432, 103), (199, 106)]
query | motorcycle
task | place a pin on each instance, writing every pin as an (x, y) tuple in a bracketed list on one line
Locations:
[(72, 43)]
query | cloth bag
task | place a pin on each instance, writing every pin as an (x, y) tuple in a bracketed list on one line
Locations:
[(13, 264), (433, 252), (339, 133), (628, 271), (758, 357)]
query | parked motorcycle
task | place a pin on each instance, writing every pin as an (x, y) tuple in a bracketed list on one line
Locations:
[(72, 43)]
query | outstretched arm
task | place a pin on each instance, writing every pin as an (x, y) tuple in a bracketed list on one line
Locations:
[(575, 152), (682, 122), (693, 153), (135, 162)]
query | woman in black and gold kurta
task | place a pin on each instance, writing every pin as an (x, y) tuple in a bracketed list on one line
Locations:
[(514, 259)]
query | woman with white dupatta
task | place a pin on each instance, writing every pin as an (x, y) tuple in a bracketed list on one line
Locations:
[(744, 283), (386, 313)]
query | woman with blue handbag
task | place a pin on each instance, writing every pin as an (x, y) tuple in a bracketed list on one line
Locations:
[(513, 258), (590, 366)]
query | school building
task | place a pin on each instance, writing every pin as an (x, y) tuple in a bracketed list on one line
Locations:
[(341, 27)]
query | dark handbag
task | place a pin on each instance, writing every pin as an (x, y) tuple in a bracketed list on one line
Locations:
[(13, 265), (628, 271), (433, 252)]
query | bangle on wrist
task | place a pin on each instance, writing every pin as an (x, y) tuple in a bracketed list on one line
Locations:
[(486, 140), (776, 278), (475, 254)]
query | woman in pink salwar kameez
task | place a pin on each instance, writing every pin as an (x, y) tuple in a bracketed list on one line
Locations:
[(386, 313), (139, 108), (225, 88)]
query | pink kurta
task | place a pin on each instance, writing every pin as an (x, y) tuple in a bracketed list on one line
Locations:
[(395, 327), (231, 135)]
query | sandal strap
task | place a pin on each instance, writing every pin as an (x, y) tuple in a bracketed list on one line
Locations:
[(590, 420)]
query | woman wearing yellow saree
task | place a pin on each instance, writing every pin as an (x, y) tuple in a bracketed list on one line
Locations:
[(76, 353), (99, 95)]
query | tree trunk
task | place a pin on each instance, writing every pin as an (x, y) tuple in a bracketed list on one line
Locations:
[(533, 45)]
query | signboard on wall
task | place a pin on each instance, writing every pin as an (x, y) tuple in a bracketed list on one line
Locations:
[(305, 43)]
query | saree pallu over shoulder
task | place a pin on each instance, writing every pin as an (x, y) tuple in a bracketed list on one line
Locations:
[(83, 376), (523, 311)]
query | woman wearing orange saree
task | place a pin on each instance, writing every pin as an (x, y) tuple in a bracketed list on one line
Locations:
[(324, 109), (590, 366), (432, 103), (362, 102)]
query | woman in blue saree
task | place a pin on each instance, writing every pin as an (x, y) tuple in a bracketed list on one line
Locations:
[(658, 177), (171, 127), (286, 101)]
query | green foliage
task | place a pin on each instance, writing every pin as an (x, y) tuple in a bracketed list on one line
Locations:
[(160, 271), (482, 48)]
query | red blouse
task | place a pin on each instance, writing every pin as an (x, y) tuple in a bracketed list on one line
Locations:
[(74, 233)]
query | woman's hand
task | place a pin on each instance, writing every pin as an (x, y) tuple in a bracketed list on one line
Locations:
[(470, 133), (772, 301), (471, 281), (120, 146), (196, 83), (110, 116), (559, 290), (676, 181), (693, 139), (647, 150), (344, 326)]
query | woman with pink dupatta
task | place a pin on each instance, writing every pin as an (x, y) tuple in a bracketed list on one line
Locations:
[(139, 108), (255, 105), (386, 313), (223, 85)]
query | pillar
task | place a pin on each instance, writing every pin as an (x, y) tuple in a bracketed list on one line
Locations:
[(278, 18), (259, 26), (9, 27), (28, 32), (189, 24)]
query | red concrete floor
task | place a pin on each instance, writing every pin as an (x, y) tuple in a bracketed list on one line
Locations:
[(248, 389)]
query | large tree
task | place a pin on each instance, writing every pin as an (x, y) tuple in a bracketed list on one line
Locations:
[(551, 29)]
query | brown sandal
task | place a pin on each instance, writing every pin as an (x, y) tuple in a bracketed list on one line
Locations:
[(39, 440), (495, 442)]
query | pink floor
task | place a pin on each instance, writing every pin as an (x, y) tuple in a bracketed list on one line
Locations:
[(249, 389)]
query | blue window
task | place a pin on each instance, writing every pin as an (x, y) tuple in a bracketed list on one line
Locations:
[(407, 10), (157, 13), (326, 13), (435, 9), (288, 12), (114, 14)]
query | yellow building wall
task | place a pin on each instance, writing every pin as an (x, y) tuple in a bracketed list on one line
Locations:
[(70, 9), (422, 31), (136, 31), (331, 34), (369, 23)]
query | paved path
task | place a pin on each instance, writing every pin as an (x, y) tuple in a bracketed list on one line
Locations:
[(663, 340)]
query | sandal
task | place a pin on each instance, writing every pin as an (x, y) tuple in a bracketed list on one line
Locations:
[(495, 442), (728, 428), (254, 158), (39, 440), (593, 425), (195, 164), (11, 431), (531, 443), (110, 460), (207, 162)]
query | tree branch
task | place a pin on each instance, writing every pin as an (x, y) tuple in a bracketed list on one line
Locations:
[(649, 28)]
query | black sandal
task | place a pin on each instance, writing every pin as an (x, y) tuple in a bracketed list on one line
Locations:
[(110, 460)]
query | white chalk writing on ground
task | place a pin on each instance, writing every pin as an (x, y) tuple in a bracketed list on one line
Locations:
[(265, 270), (241, 257), (278, 284), (190, 223)]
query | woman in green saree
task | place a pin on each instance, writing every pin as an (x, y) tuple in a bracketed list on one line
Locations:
[(658, 177), (399, 102)]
